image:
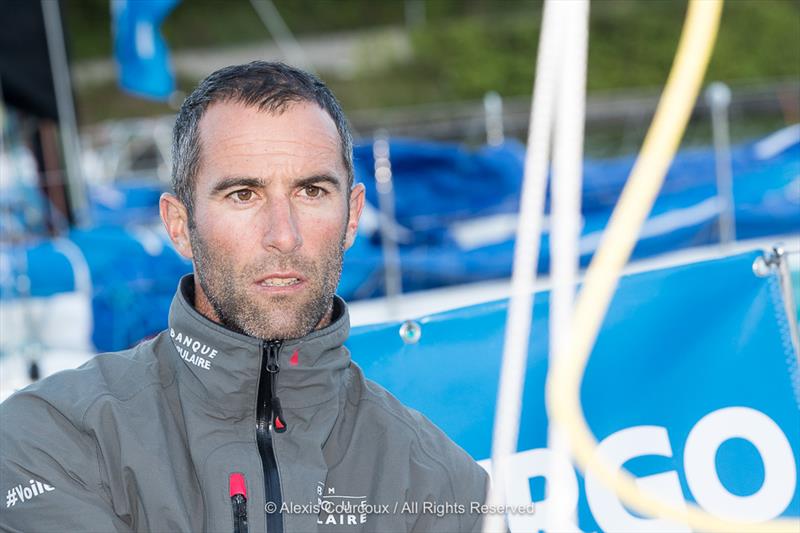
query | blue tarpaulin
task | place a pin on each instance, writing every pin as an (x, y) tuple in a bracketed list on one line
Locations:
[(458, 211), (460, 207)]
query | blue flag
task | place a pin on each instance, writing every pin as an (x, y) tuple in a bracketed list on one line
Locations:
[(139, 47)]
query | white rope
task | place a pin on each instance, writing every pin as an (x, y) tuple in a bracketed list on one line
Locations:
[(565, 222), (526, 254)]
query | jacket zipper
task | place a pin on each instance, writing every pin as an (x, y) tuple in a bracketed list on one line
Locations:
[(239, 514), (238, 491), (269, 417)]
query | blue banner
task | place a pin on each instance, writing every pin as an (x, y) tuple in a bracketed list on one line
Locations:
[(693, 385), (139, 48)]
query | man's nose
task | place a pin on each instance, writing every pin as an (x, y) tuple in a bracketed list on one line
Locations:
[(282, 232)]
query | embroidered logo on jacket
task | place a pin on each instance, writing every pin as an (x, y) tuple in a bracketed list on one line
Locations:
[(22, 493), (192, 350), (341, 510)]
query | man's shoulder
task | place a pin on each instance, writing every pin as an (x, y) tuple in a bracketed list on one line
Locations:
[(425, 437), (59, 435), (113, 376)]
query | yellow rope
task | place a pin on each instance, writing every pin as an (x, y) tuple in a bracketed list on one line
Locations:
[(636, 201)]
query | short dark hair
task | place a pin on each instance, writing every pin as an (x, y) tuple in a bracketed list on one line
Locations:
[(267, 86)]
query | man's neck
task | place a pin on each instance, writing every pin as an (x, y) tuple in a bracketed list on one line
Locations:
[(326, 320), (202, 304)]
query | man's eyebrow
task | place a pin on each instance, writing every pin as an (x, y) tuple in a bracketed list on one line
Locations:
[(236, 181), (312, 180)]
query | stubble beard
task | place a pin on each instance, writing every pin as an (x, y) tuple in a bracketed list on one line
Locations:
[(239, 307)]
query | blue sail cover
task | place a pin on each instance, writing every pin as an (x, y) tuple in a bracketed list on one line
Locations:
[(460, 207), (456, 218), (693, 386)]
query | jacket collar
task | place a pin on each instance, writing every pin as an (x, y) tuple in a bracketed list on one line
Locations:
[(221, 368)]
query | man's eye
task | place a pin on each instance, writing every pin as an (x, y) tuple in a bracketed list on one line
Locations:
[(312, 191), (243, 196)]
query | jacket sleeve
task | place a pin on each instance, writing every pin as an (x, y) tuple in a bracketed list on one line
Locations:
[(475, 485), (446, 476), (471, 485), (49, 472), (453, 497)]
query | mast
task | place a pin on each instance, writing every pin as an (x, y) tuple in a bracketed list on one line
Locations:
[(70, 141)]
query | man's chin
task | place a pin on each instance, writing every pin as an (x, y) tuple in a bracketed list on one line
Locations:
[(275, 315), (277, 322)]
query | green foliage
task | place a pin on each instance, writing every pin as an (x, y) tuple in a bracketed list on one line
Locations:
[(465, 48), (306, 17), (216, 23), (88, 28), (632, 44), (471, 56), (758, 38)]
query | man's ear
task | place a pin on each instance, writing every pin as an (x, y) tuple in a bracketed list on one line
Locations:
[(356, 205), (176, 221)]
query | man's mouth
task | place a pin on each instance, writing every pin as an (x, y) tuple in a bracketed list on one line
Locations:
[(279, 282)]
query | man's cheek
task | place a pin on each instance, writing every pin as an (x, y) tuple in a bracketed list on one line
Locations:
[(226, 231)]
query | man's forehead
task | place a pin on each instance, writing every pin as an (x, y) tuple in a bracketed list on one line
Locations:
[(234, 117), (300, 134)]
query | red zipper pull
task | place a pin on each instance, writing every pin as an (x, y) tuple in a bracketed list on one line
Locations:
[(278, 423)]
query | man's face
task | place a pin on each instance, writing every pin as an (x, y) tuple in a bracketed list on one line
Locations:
[(271, 219)]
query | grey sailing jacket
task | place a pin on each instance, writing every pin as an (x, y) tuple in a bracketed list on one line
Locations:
[(147, 440)]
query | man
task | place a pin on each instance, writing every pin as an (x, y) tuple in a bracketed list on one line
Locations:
[(250, 392)]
